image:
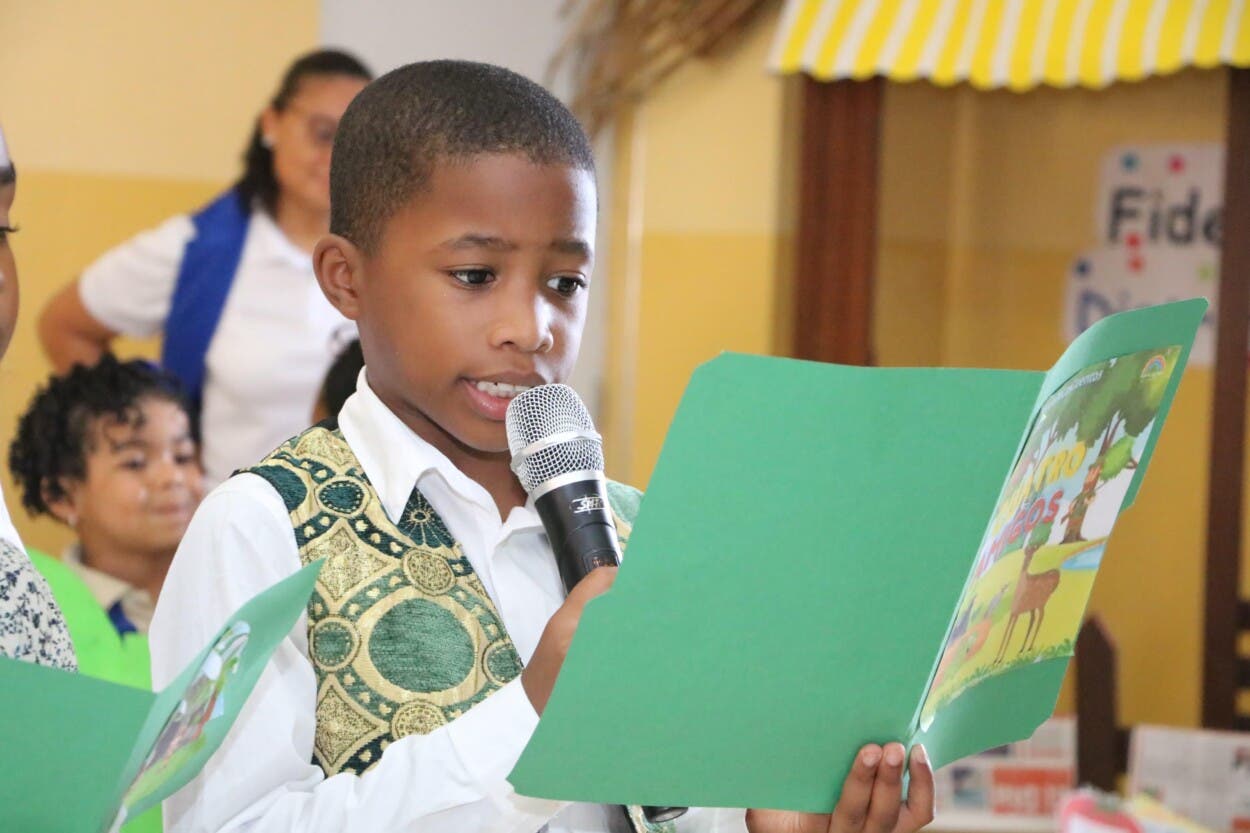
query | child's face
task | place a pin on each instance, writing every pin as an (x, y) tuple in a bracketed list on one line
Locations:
[(8, 269), (142, 484), (478, 285)]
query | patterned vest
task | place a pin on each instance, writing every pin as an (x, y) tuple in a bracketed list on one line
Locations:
[(401, 632)]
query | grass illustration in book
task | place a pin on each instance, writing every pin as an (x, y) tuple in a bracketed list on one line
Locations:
[(1035, 568)]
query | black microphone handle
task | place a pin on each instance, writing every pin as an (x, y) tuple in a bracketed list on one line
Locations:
[(579, 524), (580, 527)]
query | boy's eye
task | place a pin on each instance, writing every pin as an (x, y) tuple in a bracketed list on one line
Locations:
[(134, 463), (5, 231), (472, 277), (567, 285)]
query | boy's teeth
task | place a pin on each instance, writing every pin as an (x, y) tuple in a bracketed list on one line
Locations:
[(501, 389)]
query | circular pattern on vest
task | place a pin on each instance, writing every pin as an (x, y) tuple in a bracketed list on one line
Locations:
[(333, 643), (418, 717), (343, 497), (421, 647), (429, 572), (501, 662)]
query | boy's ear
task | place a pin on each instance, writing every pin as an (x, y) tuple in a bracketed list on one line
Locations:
[(339, 265)]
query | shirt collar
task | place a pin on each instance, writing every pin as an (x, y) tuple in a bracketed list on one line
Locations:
[(395, 459), (272, 246), (108, 590)]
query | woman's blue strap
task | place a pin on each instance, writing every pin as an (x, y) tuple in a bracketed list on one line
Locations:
[(208, 266)]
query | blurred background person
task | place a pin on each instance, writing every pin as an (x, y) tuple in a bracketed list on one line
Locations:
[(339, 383), (108, 451), (246, 329), (32, 627)]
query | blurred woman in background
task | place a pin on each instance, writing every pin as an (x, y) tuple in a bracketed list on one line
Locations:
[(231, 287)]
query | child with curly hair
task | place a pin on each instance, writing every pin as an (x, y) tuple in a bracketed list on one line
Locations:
[(108, 450)]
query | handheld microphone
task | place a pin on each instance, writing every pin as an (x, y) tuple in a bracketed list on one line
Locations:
[(558, 457)]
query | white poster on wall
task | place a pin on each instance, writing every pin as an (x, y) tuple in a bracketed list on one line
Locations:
[(1157, 222)]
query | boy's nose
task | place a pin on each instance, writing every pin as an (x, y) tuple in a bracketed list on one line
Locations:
[(168, 472), (526, 326)]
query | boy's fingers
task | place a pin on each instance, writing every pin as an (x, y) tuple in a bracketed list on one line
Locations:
[(852, 810), (595, 583), (920, 793), (887, 792)]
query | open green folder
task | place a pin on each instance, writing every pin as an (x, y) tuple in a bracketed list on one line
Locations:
[(829, 556), (82, 755)]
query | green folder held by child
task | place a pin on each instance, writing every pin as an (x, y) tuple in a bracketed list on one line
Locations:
[(829, 556), (82, 755)]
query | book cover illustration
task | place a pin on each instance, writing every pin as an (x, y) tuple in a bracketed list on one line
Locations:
[(96, 754), (1035, 568), (183, 735)]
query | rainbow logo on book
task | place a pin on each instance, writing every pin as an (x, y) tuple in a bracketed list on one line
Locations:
[(1155, 366)]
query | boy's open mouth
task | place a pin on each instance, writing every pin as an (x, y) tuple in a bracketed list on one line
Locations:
[(503, 390)]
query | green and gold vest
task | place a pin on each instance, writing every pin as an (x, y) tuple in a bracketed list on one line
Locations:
[(401, 632)]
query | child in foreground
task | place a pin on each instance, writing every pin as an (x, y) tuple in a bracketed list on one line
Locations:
[(463, 212), (107, 450), (31, 625)]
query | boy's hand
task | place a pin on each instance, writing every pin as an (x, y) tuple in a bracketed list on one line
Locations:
[(871, 799), (540, 674)]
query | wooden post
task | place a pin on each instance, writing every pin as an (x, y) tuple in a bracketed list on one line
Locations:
[(837, 220), (1101, 745), (1223, 574)]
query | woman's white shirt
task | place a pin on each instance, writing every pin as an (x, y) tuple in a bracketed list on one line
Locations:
[(276, 338)]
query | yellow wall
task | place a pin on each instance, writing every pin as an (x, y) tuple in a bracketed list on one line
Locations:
[(119, 114), (987, 198), (700, 227)]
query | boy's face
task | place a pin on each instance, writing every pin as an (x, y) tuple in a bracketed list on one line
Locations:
[(143, 482), (8, 269), (476, 290)]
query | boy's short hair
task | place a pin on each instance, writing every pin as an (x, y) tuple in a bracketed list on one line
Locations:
[(404, 123), (54, 434)]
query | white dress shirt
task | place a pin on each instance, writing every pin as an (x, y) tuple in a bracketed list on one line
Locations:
[(453, 780), (273, 345)]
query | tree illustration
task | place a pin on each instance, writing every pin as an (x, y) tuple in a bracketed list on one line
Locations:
[(1056, 419), (1119, 407)]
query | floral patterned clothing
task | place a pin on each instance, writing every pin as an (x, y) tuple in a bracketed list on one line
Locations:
[(31, 625)]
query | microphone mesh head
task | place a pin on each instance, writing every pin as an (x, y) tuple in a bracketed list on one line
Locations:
[(549, 411)]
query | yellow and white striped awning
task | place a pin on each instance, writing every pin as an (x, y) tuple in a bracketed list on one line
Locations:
[(1017, 44)]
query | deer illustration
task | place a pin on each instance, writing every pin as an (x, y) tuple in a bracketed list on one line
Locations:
[(1032, 593)]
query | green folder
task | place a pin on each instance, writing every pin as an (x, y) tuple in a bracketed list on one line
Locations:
[(829, 556), (82, 755)]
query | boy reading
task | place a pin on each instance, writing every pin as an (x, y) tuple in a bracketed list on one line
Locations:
[(463, 212)]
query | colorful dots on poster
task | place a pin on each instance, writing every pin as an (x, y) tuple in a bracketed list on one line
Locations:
[(1157, 226)]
